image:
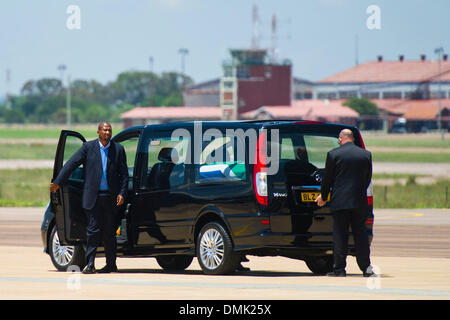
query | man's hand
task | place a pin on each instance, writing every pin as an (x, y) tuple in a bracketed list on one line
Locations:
[(54, 187), (119, 200), (319, 201)]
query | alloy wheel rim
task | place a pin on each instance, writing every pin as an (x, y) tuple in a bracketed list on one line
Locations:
[(62, 254), (212, 249)]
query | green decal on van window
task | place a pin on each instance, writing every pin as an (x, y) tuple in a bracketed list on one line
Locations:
[(230, 171)]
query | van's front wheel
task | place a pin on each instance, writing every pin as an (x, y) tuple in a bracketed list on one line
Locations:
[(64, 256), (215, 250)]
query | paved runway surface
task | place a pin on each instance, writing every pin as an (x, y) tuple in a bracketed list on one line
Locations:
[(411, 251)]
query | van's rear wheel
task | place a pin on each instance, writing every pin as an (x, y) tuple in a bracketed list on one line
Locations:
[(320, 264), (215, 250), (64, 256), (174, 262)]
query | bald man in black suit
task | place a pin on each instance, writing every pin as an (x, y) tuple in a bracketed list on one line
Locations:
[(348, 172)]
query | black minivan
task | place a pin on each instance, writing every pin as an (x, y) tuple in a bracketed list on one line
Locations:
[(212, 190)]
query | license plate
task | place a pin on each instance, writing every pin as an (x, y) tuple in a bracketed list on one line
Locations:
[(309, 196)]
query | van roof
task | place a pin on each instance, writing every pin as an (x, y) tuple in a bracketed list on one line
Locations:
[(241, 123), (257, 124)]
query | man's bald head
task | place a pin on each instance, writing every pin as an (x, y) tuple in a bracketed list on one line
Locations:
[(101, 124), (346, 135)]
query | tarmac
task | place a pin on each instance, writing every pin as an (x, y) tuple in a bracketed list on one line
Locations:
[(410, 253)]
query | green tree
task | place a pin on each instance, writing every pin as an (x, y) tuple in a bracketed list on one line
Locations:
[(96, 112), (14, 116), (146, 88), (363, 106), (42, 87), (44, 100)]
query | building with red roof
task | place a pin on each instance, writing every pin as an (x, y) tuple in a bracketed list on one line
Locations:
[(314, 110), (150, 115), (252, 88), (416, 79)]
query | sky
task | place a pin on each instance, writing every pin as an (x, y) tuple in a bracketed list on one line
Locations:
[(317, 36)]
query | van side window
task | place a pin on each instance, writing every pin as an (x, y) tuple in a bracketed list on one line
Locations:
[(219, 163), (130, 146), (72, 145), (166, 163)]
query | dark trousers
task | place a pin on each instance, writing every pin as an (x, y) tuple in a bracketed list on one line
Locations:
[(356, 218), (102, 228)]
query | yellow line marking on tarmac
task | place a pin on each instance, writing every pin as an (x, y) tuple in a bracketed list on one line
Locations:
[(403, 215)]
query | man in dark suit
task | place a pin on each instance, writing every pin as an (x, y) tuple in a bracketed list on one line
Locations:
[(348, 172), (105, 187)]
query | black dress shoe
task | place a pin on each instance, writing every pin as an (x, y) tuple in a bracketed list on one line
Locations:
[(369, 272), (108, 269), (337, 274), (89, 269)]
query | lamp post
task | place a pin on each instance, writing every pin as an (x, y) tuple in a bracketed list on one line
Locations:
[(439, 51), (62, 68), (150, 98), (68, 104), (183, 52)]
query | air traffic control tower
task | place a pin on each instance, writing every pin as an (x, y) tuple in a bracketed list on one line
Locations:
[(250, 80)]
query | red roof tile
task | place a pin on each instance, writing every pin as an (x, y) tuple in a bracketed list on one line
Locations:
[(393, 71), (425, 109), (307, 110), (392, 106)]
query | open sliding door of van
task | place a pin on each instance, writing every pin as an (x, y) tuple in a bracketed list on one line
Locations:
[(70, 217)]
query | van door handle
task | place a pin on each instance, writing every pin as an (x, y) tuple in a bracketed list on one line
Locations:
[(54, 197), (319, 218)]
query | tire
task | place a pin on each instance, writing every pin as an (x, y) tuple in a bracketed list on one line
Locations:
[(215, 250), (175, 262), (320, 264), (64, 256)]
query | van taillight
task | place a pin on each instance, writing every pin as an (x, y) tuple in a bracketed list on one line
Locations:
[(259, 170), (361, 140)]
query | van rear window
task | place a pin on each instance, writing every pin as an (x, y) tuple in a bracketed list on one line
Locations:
[(305, 152), (317, 148), (309, 148)]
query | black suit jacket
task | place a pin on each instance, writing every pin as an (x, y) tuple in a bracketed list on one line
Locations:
[(348, 172), (89, 156)]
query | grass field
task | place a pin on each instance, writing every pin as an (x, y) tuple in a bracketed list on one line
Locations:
[(30, 187), (400, 156), (406, 141), (24, 188), (395, 148), (413, 195), (45, 151), (42, 132), (32, 151)]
